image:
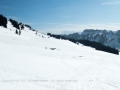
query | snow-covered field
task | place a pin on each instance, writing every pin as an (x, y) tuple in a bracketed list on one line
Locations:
[(28, 63)]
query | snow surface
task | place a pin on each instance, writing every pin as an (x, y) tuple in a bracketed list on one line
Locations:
[(28, 63)]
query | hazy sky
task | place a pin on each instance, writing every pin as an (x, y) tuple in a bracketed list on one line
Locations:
[(64, 15)]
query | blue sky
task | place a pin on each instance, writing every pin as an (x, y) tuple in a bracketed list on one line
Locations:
[(64, 15)]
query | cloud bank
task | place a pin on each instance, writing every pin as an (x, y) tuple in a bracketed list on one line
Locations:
[(80, 27), (111, 3)]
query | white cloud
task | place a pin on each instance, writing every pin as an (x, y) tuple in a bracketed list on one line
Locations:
[(111, 3), (81, 27), (67, 16), (52, 23), (29, 23), (13, 17)]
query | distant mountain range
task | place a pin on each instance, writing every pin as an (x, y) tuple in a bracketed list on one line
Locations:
[(105, 37)]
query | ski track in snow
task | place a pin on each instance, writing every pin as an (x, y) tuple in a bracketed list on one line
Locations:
[(29, 57)]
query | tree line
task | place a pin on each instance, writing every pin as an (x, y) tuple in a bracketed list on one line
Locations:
[(3, 21), (96, 45)]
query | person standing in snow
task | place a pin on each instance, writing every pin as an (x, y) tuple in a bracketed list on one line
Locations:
[(16, 31), (19, 32)]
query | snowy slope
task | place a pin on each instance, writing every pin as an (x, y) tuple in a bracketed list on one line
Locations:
[(28, 63)]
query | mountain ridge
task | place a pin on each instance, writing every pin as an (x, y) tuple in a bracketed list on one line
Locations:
[(105, 37)]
